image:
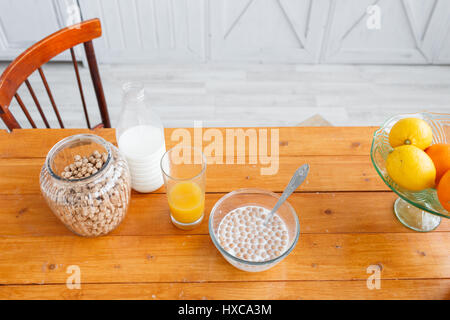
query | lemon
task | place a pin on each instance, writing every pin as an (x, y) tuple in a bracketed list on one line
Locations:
[(411, 168), (411, 131)]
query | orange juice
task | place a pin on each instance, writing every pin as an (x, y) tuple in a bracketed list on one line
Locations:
[(186, 202)]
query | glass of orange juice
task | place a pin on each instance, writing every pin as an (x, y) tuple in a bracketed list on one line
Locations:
[(184, 172)]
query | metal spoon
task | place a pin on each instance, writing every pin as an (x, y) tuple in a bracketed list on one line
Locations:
[(296, 180)]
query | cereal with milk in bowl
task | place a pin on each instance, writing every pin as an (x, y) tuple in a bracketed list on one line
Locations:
[(242, 233)]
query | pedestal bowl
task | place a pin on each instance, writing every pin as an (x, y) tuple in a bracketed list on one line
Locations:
[(420, 211)]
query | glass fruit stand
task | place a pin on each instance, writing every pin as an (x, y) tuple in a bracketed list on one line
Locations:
[(420, 211)]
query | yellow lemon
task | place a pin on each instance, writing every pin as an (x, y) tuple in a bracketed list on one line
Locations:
[(411, 168), (411, 131)]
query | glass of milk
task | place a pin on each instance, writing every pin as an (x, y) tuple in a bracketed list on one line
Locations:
[(140, 136)]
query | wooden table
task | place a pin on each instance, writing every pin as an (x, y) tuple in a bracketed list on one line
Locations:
[(345, 211)]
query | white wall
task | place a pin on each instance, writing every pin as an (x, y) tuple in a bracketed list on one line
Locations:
[(259, 31)]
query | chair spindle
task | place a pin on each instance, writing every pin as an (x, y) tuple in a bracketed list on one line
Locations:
[(25, 111), (96, 80), (36, 101), (50, 96), (80, 87)]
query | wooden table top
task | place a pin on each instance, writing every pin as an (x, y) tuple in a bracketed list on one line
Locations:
[(346, 220)]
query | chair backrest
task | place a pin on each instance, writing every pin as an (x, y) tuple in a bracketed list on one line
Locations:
[(40, 53)]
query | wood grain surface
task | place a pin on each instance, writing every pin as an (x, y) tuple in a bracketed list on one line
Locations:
[(345, 212)]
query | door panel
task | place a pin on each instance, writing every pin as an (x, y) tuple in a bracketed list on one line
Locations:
[(439, 34), (149, 30), (257, 31), (24, 22), (267, 30), (443, 56), (407, 32)]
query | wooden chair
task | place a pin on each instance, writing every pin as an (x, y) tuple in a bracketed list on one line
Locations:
[(40, 53)]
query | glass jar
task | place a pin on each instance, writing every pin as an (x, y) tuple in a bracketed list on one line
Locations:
[(140, 137), (91, 204)]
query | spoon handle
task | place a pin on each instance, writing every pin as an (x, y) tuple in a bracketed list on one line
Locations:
[(296, 180)]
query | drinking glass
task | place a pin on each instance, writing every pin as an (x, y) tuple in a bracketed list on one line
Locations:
[(184, 174)]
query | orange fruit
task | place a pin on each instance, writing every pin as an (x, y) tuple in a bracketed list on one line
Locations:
[(411, 131), (443, 191), (411, 168), (440, 154)]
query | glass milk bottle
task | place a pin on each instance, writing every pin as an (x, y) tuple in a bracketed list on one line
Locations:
[(140, 136)]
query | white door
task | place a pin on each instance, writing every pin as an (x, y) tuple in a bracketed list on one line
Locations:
[(441, 50), (267, 30), (149, 30), (443, 54), (407, 31), (24, 22)]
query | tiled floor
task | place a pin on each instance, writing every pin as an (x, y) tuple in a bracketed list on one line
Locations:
[(253, 95)]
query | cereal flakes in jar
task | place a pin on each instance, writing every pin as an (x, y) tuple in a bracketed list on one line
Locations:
[(86, 183)]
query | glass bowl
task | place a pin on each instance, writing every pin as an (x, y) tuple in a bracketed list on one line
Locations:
[(420, 211), (253, 197)]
